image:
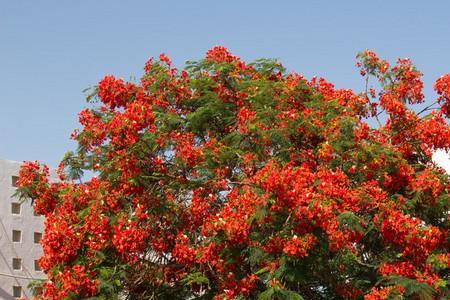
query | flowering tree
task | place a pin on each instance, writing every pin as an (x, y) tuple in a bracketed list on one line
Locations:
[(229, 180)]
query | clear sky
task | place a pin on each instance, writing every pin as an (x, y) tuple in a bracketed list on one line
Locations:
[(51, 50)]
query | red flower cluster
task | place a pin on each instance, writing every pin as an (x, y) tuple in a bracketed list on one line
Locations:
[(114, 92), (385, 293), (416, 241), (442, 87), (220, 54), (298, 247), (73, 281)]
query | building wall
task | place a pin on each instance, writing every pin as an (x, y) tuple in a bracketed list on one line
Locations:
[(27, 250)]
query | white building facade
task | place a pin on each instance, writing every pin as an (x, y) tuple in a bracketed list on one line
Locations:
[(20, 234)]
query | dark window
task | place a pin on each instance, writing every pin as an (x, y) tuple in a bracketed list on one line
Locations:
[(17, 263), (15, 208), (14, 180), (16, 236), (36, 266), (17, 291), (37, 237), (39, 290)]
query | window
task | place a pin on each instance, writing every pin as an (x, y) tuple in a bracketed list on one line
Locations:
[(15, 208), (36, 265), (37, 237), (14, 180), (17, 263), (16, 236), (39, 290), (17, 291)]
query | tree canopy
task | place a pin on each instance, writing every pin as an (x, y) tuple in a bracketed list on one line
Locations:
[(235, 180)]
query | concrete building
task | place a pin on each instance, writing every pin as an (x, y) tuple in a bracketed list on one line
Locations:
[(20, 233)]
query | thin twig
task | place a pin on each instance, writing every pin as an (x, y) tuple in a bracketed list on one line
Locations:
[(427, 108)]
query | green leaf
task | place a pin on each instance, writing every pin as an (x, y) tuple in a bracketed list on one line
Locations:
[(255, 255), (349, 220), (413, 287), (267, 294), (289, 295), (196, 277)]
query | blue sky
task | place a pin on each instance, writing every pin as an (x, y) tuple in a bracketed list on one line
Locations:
[(51, 50)]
